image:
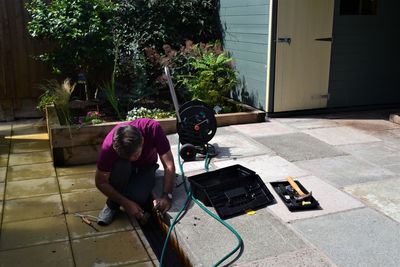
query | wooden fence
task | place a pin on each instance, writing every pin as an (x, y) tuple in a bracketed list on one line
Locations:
[(20, 74)]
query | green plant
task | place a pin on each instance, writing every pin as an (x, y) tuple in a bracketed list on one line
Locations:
[(142, 27), (79, 31), (46, 99), (143, 112), (58, 94), (212, 79), (110, 90)]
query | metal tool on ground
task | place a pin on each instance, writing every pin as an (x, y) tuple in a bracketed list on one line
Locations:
[(88, 220), (300, 194), (294, 195)]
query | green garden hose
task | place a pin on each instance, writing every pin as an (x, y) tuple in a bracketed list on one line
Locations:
[(216, 217)]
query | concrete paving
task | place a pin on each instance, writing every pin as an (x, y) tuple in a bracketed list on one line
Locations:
[(37, 205), (349, 161), (382, 195), (299, 146), (360, 237), (337, 158), (345, 170)]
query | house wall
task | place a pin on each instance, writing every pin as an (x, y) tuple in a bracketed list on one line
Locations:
[(364, 66), (246, 25)]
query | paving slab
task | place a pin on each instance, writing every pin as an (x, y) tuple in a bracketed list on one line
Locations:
[(2, 187), (33, 232), (30, 137), (236, 145), (269, 168), (190, 166), (29, 127), (205, 241), (3, 160), (303, 257), (382, 195), (5, 140), (70, 170), (368, 124), (30, 158), (378, 153), (33, 146), (341, 136), (32, 208), (360, 237), (30, 171), (31, 188), (264, 128), (50, 255), (77, 182), (330, 199), (5, 128), (344, 170), (173, 139), (3, 172), (391, 137), (78, 229), (141, 264), (83, 201), (4, 149), (395, 168), (107, 250), (307, 123), (299, 146)]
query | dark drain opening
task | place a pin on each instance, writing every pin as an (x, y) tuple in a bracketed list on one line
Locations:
[(155, 235)]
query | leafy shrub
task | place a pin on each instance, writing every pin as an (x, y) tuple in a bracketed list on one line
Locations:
[(213, 78), (142, 27), (143, 112), (203, 70), (79, 31)]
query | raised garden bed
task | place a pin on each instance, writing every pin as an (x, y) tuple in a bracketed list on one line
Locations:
[(80, 144)]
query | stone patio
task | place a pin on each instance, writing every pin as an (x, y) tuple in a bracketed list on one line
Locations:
[(349, 161), (38, 202)]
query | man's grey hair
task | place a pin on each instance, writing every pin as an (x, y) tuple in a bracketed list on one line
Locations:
[(126, 140)]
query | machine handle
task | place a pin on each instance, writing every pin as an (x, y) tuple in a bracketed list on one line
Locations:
[(287, 40), (328, 39), (173, 94)]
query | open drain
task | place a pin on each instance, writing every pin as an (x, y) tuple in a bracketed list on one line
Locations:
[(155, 235)]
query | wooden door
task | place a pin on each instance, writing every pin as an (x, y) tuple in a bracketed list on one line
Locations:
[(303, 52)]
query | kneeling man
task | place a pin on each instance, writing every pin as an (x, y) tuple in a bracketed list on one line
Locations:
[(126, 168)]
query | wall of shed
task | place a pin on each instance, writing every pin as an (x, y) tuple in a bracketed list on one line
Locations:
[(246, 25)]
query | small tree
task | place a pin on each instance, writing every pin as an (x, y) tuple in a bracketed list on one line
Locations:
[(80, 31)]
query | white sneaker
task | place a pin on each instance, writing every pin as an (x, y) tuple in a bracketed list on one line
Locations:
[(106, 216)]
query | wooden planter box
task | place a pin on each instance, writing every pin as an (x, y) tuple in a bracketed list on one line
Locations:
[(76, 144)]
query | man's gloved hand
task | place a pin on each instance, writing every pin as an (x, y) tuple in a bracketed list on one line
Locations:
[(162, 204), (133, 209)]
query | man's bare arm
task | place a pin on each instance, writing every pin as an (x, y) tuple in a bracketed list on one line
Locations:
[(167, 161)]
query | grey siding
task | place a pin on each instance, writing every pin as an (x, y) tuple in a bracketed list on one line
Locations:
[(365, 66), (245, 24)]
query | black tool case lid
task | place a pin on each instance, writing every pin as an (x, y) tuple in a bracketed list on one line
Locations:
[(231, 190)]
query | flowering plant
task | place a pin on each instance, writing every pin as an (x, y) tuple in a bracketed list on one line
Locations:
[(92, 117)]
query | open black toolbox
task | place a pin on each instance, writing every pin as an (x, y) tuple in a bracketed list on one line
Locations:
[(231, 190), (293, 205)]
